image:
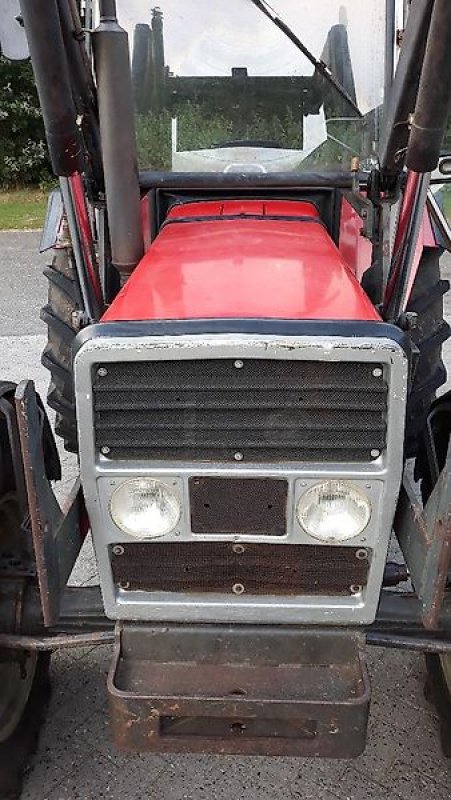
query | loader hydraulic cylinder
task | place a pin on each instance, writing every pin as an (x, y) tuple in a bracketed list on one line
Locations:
[(402, 99), (431, 112), (51, 72)]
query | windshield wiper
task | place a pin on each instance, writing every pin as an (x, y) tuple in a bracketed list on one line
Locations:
[(321, 66)]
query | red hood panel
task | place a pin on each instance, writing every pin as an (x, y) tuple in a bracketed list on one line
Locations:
[(242, 263)]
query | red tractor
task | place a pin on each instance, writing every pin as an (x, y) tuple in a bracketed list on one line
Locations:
[(245, 346)]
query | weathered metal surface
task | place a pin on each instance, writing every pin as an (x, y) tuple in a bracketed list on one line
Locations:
[(57, 537), (41, 643), (240, 568), (409, 641), (425, 538), (81, 610), (82, 621), (241, 689)]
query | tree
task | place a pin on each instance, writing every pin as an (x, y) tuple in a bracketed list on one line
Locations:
[(23, 151)]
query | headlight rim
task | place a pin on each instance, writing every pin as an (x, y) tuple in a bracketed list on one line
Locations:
[(170, 489), (316, 486)]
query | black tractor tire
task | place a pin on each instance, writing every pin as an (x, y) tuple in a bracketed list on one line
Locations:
[(438, 682), (17, 750), (24, 676), (62, 314), (430, 333)]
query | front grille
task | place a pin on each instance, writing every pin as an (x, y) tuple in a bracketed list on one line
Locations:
[(287, 569), (254, 410)]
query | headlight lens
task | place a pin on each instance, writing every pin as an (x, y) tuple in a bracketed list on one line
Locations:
[(145, 508), (333, 511)]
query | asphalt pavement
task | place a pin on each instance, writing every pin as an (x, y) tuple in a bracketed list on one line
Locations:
[(75, 759)]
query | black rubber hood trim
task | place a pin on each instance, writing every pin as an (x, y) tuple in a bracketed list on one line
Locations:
[(261, 327)]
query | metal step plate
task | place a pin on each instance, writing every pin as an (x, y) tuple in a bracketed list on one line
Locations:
[(239, 690)]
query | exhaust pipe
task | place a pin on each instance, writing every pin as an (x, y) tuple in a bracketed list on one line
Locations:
[(117, 132)]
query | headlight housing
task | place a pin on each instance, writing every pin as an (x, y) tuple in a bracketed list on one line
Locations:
[(333, 511), (145, 508)]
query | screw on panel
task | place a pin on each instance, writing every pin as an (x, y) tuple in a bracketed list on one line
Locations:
[(238, 588), (238, 456), (375, 453), (361, 554), (118, 550), (238, 548), (356, 588), (334, 729), (124, 585), (238, 728), (105, 450), (102, 372), (238, 364), (377, 372)]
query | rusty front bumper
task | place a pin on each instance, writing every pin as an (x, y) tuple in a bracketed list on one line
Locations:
[(243, 690)]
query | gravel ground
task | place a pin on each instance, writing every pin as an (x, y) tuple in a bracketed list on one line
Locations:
[(75, 759)]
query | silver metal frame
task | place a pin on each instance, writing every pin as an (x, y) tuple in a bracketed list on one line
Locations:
[(380, 479)]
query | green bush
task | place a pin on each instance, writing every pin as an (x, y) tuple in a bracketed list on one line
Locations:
[(200, 128), (23, 151)]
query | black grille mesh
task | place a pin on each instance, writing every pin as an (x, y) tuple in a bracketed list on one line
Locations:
[(288, 569), (266, 410)]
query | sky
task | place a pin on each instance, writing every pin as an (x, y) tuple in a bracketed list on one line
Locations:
[(13, 42), (209, 37)]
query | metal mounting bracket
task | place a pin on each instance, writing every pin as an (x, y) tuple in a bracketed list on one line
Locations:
[(57, 534), (424, 534)]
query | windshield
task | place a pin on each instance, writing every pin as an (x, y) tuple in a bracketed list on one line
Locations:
[(243, 86)]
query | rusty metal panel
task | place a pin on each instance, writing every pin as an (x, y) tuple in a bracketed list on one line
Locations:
[(252, 506), (57, 537), (424, 535), (239, 567), (11, 471), (243, 690)]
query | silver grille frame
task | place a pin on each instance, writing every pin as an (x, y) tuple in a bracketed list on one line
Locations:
[(380, 477)]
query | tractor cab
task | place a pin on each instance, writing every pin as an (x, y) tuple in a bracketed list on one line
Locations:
[(254, 90)]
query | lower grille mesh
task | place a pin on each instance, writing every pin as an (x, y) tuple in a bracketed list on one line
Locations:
[(219, 566), (251, 410)]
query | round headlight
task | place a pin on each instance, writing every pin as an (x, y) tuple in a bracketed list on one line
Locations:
[(333, 511), (145, 508)]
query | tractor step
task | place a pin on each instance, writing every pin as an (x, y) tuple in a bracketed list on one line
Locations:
[(239, 690)]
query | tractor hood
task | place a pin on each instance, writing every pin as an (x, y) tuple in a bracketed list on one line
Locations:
[(242, 259)]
